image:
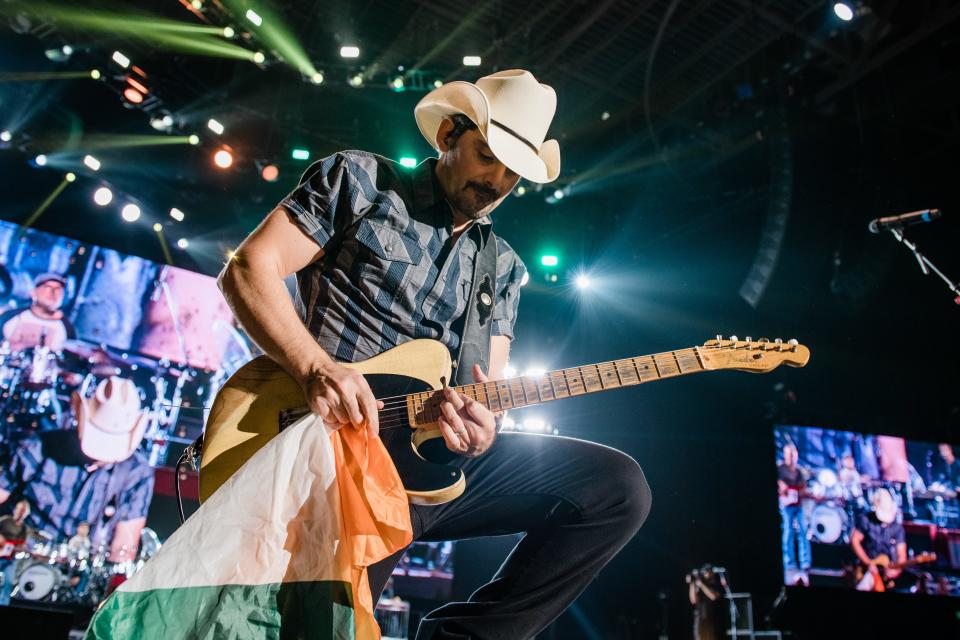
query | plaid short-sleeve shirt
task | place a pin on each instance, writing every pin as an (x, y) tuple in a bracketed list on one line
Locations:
[(390, 272)]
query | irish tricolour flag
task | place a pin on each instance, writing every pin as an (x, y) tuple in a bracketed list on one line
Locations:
[(279, 551)]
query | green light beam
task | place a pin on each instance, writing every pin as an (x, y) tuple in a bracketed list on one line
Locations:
[(33, 76), (46, 203)]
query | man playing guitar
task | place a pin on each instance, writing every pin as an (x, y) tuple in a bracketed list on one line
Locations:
[(791, 489), (878, 534), (382, 256)]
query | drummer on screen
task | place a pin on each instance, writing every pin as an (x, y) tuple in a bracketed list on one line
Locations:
[(43, 323)]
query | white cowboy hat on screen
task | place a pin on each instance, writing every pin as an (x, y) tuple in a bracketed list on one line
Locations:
[(512, 111), (111, 423)]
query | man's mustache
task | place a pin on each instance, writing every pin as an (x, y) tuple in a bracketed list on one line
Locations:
[(486, 192)]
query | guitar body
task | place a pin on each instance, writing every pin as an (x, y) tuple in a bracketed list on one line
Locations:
[(260, 398)]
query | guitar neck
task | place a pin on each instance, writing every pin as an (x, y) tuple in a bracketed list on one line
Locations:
[(525, 391)]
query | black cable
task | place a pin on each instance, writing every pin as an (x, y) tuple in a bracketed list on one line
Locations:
[(187, 458)]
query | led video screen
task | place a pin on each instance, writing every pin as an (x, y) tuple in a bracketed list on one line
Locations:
[(108, 362), (868, 512)]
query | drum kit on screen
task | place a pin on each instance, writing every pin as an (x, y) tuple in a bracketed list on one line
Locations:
[(36, 385), (48, 571)]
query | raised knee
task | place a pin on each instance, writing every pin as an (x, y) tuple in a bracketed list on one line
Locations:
[(632, 493)]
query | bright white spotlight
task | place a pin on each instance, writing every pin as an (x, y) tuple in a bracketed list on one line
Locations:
[(356, 80), (70, 177), (91, 163), (121, 59), (509, 371), (130, 212), (317, 78), (536, 371), (259, 58), (537, 425), (103, 196), (350, 51), (843, 11), (215, 126), (183, 243), (5, 136), (41, 160), (157, 227), (254, 17), (583, 281), (558, 194), (508, 423), (95, 74), (437, 84), (398, 84), (228, 32), (67, 50), (176, 214), (194, 139), (471, 61), (223, 158)]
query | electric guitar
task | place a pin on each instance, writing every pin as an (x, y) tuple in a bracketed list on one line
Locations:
[(260, 399), (882, 564)]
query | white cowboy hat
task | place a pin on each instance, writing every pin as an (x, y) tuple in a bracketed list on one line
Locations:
[(884, 507), (512, 111), (111, 424)]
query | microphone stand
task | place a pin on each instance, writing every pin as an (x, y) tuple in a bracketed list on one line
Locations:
[(925, 265)]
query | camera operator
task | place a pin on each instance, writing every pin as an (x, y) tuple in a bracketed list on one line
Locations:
[(706, 587)]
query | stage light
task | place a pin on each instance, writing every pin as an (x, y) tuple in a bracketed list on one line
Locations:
[(121, 59), (350, 52), (317, 78), (70, 177), (41, 160), (223, 158), (176, 214), (300, 154), (5, 136), (91, 162), (509, 371), (157, 227), (95, 74), (471, 61), (228, 32), (583, 281), (183, 243), (157, 123), (521, 190), (408, 162), (397, 84), (508, 423), (167, 120), (843, 11), (535, 372), (254, 17), (558, 194), (356, 80), (552, 278), (132, 95), (130, 212), (437, 84), (605, 115), (270, 173), (67, 50), (193, 139), (196, 4), (103, 196), (215, 126), (259, 58), (549, 260)]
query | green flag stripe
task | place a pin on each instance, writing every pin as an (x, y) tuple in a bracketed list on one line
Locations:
[(317, 610)]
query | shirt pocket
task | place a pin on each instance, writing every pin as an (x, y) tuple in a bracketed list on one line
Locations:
[(388, 244)]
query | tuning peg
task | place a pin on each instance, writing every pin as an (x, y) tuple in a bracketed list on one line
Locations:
[(719, 338), (749, 339), (777, 341), (793, 341), (734, 338)]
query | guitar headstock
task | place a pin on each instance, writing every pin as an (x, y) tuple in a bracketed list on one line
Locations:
[(758, 356)]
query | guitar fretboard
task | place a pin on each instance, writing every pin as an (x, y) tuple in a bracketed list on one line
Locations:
[(523, 391)]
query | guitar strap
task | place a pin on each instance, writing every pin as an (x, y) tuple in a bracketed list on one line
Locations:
[(478, 320)]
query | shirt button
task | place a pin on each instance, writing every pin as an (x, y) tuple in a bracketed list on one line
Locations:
[(388, 248)]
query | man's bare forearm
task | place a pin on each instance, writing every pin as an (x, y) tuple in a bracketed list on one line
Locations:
[(259, 299)]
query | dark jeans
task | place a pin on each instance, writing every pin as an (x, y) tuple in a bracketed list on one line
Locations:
[(577, 502)]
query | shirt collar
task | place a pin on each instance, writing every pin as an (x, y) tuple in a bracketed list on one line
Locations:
[(428, 193)]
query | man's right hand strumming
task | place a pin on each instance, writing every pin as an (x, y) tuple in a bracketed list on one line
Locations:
[(341, 396)]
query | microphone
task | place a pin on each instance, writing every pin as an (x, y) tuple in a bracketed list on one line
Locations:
[(903, 220)]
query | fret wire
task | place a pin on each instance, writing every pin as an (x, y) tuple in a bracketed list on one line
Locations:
[(523, 388), (510, 403), (616, 370), (553, 389), (567, 383)]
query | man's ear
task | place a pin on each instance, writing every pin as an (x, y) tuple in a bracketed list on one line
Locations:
[(446, 126)]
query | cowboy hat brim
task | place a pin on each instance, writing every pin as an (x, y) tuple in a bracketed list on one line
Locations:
[(108, 443), (466, 98)]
